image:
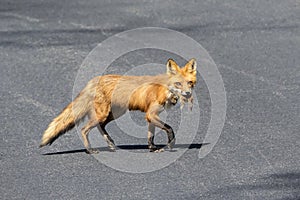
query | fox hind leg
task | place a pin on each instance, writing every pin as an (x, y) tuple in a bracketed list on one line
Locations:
[(99, 117), (96, 117), (108, 139), (84, 133)]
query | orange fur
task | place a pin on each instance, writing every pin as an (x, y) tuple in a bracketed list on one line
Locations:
[(106, 98)]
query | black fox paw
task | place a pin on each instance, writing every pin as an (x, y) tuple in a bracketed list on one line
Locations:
[(112, 147), (171, 143), (92, 151)]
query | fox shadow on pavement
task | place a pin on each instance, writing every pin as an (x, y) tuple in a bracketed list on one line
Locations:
[(131, 147)]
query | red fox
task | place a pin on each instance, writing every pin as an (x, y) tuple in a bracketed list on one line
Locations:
[(108, 97)]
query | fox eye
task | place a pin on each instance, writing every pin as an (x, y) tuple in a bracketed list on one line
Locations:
[(190, 83), (178, 84)]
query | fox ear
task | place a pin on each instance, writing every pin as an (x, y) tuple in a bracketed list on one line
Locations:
[(191, 66), (172, 67)]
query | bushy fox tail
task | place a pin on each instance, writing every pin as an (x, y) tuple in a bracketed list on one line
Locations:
[(67, 119)]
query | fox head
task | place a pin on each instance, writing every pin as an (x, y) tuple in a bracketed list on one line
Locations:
[(182, 80)]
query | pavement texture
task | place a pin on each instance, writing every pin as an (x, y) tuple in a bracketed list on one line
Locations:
[(255, 45)]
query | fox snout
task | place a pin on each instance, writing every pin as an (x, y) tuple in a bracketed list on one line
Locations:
[(186, 95)]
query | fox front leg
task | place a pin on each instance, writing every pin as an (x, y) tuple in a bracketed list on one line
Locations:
[(151, 145), (153, 118), (171, 136), (151, 132)]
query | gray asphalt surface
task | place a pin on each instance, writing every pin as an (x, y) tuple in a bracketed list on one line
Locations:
[(255, 45)]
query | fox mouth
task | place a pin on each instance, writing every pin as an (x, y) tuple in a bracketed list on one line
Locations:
[(187, 99), (179, 92), (186, 95)]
